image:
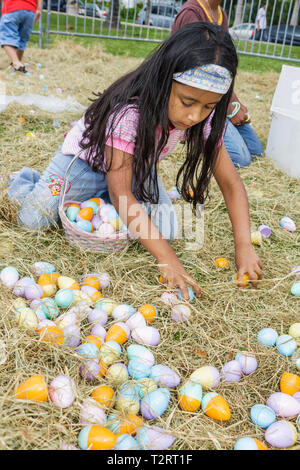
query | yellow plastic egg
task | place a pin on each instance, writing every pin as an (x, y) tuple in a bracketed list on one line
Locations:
[(149, 312), (51, 334), (19, 303), (221, 263), (116, 223), (80, 296), (27, 318), (256, 238), (294, 331), (65, 282), (33, 389), (244, 282)]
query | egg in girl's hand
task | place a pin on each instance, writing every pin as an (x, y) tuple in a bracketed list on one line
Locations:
[(206, 376), (281, 434), (216, 407), (146, 335), (155, 403), (289, 383), (174, 193), (267, 337), (154, 438), (190, 292), (9, 276), (249, 443), (244, 282), (62, 391), (190, 396), (95, 437), (33, 389), (286, 345), (91, 412), (181, 313)]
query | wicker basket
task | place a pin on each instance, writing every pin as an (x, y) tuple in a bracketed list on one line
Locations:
[(85, 240)]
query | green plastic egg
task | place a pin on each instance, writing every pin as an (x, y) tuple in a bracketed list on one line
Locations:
[(64, 298)]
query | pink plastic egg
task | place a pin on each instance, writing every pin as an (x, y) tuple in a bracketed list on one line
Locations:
[(92, 413), (281, 434), (284, 405), (61, 391), (147, 335), (33, 291), (98, 316), (137, 320), (99, 331)]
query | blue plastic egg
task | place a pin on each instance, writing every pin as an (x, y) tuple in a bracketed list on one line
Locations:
[(191, 294), (164, 376), (262, 416), (286, 345), (88, 350), (43, 267), (249, 443), (64, 298), (72, 213), (137, 351), (267, 337), (138, 369), (126, 442), (295, 289), (84, 225), (155, 403)]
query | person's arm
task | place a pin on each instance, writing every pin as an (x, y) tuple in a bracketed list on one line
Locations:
[(241, 116), (235, 196), (38, 10), (119, 180)]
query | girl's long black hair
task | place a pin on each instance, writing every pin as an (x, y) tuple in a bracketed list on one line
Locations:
[(148, 88)]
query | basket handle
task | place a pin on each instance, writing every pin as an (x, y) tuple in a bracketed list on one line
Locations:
[(66, 180)]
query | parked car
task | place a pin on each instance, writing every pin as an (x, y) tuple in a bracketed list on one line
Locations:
[(90, 9), (244, 31), (161, 15), (283, 34), (55, 5)]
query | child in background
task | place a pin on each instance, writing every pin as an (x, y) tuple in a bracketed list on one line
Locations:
[(181, 92)]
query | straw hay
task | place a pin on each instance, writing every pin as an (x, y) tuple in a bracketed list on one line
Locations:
[(225, 320)]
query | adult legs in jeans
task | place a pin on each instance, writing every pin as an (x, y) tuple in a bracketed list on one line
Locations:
[(241, 143)]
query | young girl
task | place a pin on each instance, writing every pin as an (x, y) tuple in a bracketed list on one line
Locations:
[(180, 92)]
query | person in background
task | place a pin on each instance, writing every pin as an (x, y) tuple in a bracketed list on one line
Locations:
[(261, 23), (16, 24), (240, 139)]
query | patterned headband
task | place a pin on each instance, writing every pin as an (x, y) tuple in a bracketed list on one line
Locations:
[(209, 77)]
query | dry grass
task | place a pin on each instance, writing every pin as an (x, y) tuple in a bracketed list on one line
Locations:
[(225, 320)]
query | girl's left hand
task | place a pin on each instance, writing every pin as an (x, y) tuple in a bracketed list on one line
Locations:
[(247, 261)]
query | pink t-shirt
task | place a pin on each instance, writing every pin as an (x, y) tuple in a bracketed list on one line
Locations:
[(124, 135)]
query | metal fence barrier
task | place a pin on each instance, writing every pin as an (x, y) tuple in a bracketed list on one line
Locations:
[(151, 21)]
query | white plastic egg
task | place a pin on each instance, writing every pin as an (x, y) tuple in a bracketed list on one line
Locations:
[(92, 413), (9, 276), (147, 335), (62, 391), (137, 320)]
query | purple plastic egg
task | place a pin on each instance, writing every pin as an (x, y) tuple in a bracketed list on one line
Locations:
[(248, 363), (96, 221), (281, 434), (33, 291), (154, 438), (72, 336), (231, 372), (284, 405), (19, 288), (265, 231), (164, 376), (62, 391), (88, 290), (99, 331), (90, 370), (98, 316), (92, 413)]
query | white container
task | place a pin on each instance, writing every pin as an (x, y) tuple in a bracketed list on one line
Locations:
[(284, 137)]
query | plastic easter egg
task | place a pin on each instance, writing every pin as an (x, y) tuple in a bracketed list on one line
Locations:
[(297, 396), (149, 312), (106, 304), (92, 412), (92, 204), (281, 434), (65, 282), (136, 321), (110, 351), (96, 222), (49, 308), (248, 363), (295, 289), (221, 263), (54, 277), (43, 267), (72, 336), (181, 313), (105, 229), (61, 391), (88, 350), (249, 443), (97, 316), (145, 386), (93, 293), (169, 299), (128, 399), (190, 396), (138, 369), (164, 376), (99, 331), (284, 405), (9, 276), (104, 279), (126, 442), (256, 238), (154, 438), (51, 334), (84, 225), (26, 318), (174, 193), (67, 319), (262, 416), (155, 403), (116, 374), (82, 298), (191, 294), (33, 291), (91, 281), (20, 303), (206, 376), (95, 437), (138, 352), (289, 383), (90, 369), (40, 313), (122, 312), (67, 446), (231, 372), (33, 389), (64, 298), (146, 335), (286, 345), (119, 332), (45, 324), (265, 231), (294, 331), (94, 340), (216, 407), (72, 213), (130, 424), (19, 287), (244, 282), (267, 337), (108, 212), (49, 290), (116, 223), (288, 224), (85, 214), (104, 395)]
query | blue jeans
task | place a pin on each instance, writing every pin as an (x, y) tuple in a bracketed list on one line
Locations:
[(38, 195), (241, 143), (15, 28)]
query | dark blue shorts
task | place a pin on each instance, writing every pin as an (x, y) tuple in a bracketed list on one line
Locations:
[(15, 28)]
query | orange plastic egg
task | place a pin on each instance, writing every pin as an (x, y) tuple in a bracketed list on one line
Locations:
[(216, 407), (289, 383), (244, 282), (188, 403), (96, 200), (96, 438), (74, 205), (54, 277), (191, 192), (260, 445), (33, 389), (86, 214), (51, 334), (221, 263), (104, 395), (116, 333), (95, 296), (92, 281), (44, 280), (148, 311), (94, 339), (130, 424)]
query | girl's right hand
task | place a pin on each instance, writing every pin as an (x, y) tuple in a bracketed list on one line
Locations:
[(174, 275)]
